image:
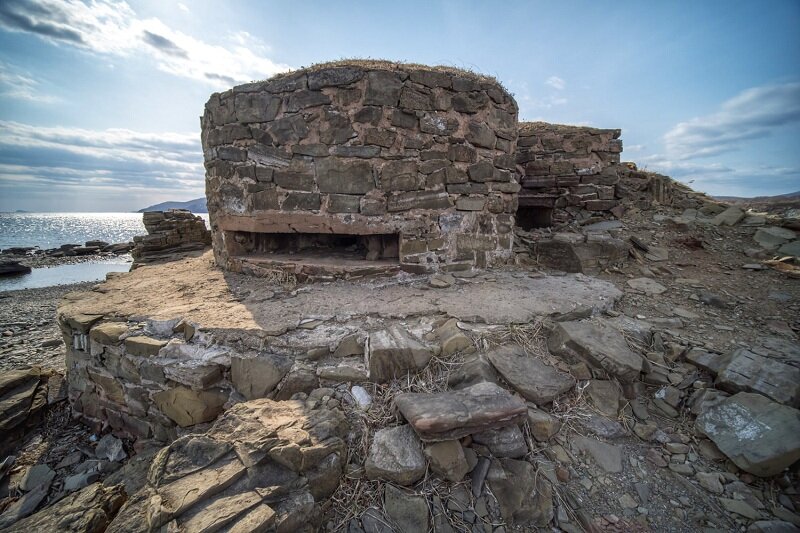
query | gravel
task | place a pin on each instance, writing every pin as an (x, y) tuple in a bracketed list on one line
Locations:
[(29, 332)]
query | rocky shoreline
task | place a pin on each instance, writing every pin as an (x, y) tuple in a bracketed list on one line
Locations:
[(68, 254), (29, 334)]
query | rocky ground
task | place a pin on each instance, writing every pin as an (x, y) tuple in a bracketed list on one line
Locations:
[(68, 254), (623, 422), (29, 334)]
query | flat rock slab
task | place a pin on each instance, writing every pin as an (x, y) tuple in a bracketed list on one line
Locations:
[(396, 455), (646, 285), (790, 248), (760, 436), (524, 497), (597, 343), (744, 371), (730, 217), (607, 456), (771, 237), (255, 377), (408, 511), (259, 467), (195, 290), (91, 509), (393, 352), (452, 415), (529, 376)]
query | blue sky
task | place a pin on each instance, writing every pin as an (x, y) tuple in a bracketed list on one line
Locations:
[(100, 100)]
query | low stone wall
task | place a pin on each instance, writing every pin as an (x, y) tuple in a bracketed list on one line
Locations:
[(146, 379), (417, 160), (569, 169), (168, 232)]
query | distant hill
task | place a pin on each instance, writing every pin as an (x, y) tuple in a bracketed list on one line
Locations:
[(759, 199), (198, 205)]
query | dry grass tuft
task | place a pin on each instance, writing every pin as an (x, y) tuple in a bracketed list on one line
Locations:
[(384, 64)]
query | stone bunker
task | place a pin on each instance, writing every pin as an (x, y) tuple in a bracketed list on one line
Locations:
[(567, 172), (357, 167)]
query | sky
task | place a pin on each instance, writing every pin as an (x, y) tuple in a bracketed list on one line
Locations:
[(100, 99)]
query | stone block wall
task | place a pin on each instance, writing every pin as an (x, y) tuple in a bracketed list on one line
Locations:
[(367, 148), (569, 169), (175, 230), (148, 378)]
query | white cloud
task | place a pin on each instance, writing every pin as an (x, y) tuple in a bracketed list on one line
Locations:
[(752, 114), (20, 84), (125, 161), (721, 179), (530, 105), (183, 7), (111, 27), (556, 83)]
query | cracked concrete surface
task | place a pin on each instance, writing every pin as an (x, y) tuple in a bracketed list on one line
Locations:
[(194, 289)]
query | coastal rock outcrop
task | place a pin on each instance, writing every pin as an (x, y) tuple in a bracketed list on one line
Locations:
[(262, 466), (169, 234)]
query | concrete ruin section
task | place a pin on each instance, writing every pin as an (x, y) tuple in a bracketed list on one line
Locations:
[(351, 168)]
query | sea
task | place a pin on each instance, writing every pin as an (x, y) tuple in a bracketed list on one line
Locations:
[(51, 230)]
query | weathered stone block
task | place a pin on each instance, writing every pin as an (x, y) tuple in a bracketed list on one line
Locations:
[(143, 346), (481, 171), (470, 204), (383, 88), (479, 134), (332, 77), (597, 343), (438, 125), (255, 377), (415, 99), (762, 437), (394, 352), (343, 203), (303, 99), (418, 200), (256, 107), (301, 201), (108, 333), (471, 243), (288, 130), (745, 371), (379, 137), (345, 177), (264, 200), (396, 455), (187, 407), (294, 180), (455, 414), (470, 102), (530, 376), (405, 120)]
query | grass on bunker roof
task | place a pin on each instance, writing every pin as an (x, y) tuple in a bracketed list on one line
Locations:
[(384, 64)]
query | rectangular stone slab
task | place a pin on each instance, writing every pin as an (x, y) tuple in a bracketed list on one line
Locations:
[(455, 414), (597, 343), (745, 371)]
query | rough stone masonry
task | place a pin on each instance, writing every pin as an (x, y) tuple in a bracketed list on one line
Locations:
[(415, 164)]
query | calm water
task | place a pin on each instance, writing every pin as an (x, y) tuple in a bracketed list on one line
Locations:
[(66, 274), (51, 230)]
